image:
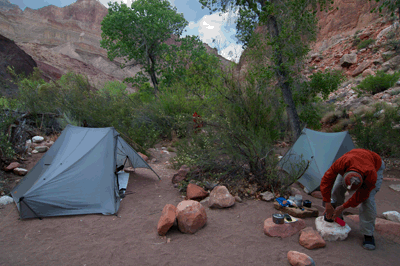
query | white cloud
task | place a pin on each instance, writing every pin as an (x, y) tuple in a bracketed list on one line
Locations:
[(232, 52)]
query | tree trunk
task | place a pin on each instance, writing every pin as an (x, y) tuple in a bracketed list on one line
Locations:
[(153, 76), (283, 77)]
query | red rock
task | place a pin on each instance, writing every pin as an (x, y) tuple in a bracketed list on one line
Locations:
[(299, 259), (129, 170), (364, 65), (316, 194), (167, 219), (311, 239), (282, 230), (383, 226), (368, 72), (195, 192), (221, 198), (191, 216), (12, 166), (181, 175), (144, 157)]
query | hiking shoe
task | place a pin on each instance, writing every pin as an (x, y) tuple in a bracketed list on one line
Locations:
[(369, 242)]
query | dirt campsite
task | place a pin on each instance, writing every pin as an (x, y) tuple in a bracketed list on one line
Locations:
[(231, 236)]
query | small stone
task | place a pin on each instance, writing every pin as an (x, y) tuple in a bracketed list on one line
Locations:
[(37, 139), (129, 170), (395, 187), (267, 196), (311, 239), (144, 157), (4, 200), (154, 160), (35, 151), (331, 231), (393, 216), (221, 198), (12, 166), (41, 148), (194, 192), (20, 171), (299, 259), (238, 199)]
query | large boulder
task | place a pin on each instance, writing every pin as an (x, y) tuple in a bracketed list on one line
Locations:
[(167, 219), (194, 192), (191, 216), (311, 239), (392, 64), (364, 65), (299, 259), (331, 231), (221, 198), (282, 230), (348, 60)]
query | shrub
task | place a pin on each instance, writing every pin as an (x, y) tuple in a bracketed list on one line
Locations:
[(365, 43), (378, 83), (376, 133)]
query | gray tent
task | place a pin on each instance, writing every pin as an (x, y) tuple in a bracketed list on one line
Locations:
[(320, 149), (77, 175)]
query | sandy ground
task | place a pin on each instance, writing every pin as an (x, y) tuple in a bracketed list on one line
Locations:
[(231, 236)]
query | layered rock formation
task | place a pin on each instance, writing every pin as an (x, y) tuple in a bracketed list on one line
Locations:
[(12, 55), (65, 39)]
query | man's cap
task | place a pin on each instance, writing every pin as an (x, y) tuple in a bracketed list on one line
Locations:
[(353, 180)]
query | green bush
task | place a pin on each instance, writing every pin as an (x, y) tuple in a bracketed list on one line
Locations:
[(378, 83), (365, 43), (375, 132)]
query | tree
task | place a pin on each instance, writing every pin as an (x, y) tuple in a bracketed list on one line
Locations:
[(291, 26), (139, 33)]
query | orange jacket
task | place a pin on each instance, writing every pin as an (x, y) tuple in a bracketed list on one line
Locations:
[(364, 162)]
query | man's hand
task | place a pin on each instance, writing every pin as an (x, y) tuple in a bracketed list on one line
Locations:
[(338, 211), (329, 210)]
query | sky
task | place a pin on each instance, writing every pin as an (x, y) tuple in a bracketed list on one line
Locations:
[(209, 27)]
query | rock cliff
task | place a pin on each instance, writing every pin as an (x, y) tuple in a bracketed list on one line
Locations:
[(64, 39)]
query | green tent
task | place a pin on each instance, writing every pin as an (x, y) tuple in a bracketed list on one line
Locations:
[(78, 175), (320, 149)]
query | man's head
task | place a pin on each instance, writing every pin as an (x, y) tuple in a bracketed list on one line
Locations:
[(352, 180)]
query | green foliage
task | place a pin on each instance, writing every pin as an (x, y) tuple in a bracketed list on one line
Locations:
[(391, 6), (305, 95), (374, 130), (378, 83), (139, 33), (365, 43)]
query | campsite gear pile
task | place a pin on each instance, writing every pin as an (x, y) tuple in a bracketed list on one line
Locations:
[(294, 202), (78, 175)]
